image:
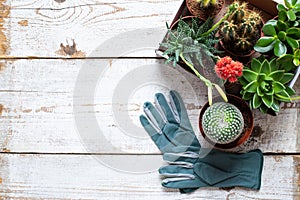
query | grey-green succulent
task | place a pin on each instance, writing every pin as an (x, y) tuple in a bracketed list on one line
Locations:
[(222, 123)]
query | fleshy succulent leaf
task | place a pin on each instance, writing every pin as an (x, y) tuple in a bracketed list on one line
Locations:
[(255, 65), (249, 75), (292, 42), (265, 67), (265, 44), (287, 77), (269, 30), (251, 87), (278, 87), (277, 75), (257, 101), (268, 100), (279, 48)]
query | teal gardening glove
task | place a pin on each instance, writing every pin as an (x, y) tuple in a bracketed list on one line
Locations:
[(191, 167)]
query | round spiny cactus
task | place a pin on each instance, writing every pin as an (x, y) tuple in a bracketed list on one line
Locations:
[(222, 122)]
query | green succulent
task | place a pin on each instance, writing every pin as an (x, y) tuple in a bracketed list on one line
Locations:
[(278, 37), (289, 12), (222, 122), (264, 85), (206, 3), (289, 62)]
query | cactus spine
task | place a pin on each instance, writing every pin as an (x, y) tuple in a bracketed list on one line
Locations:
[(222, 122)]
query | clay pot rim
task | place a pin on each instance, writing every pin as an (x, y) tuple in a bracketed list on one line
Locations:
[(244, 135), (194, 14)]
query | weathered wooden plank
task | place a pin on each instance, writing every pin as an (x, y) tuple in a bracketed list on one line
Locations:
[(48, 28), (85, 177), (40, 100)]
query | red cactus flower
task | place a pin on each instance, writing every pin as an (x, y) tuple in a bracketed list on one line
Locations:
[(228, 69)]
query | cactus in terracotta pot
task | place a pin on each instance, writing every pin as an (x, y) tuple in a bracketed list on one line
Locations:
[(222, 122), (241, 30)]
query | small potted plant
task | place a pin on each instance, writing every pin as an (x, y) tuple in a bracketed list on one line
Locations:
[(226, 125), (265, 85), (204, 8), (282, 36), (241, 31)]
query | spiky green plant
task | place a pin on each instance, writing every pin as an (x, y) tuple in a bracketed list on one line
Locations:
[(241, 30), (206, 3), (222, 123), (264, 85)]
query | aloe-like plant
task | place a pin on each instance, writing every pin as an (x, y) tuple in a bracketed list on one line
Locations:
[(222, 122), (264, 85), (278, 37), (206, 3)]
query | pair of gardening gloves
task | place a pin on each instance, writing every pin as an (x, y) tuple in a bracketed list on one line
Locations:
[(190, 166)]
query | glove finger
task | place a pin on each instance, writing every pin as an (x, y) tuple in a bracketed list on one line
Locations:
[(163, 105), (179, 158), (179, 107), (163, 144), (154, 116), (176, 171), (181, 183)]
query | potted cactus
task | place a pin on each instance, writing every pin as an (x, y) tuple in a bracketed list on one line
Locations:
[(205, 8), (226, 125), (241, 31)]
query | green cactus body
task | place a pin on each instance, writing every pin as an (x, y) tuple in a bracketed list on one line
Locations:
[(243, 44), (247, 26), (206, 3), (240, 12), (228, 30), (222, 122)]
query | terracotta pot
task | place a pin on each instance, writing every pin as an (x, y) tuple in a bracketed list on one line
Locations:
[(195, 9), (248, 121)]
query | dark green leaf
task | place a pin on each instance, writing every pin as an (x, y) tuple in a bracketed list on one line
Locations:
[(275, 106), (270, 92), (265, 67), (269, 30), (249, 75), (273, 65), (255, 65), (292, 42), (282, 35), (263, 108), (290, 91), (268, 100), (259, 92), (281, 25), (264, 44), (256, 102), (291, 15), (278, 87), (287, 77), (279, 48), (247, 96), (282, 15), (243, 81), (277, 75), (292, 31), (280, 7), (288, 3), (283, 96), (251, 87)]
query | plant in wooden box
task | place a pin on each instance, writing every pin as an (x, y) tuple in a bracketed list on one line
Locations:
[(204, 8), (241, 30), (194, 45), (264, 85), (282, 36)]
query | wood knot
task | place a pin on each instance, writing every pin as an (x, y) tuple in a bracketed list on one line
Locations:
[(59, 1)]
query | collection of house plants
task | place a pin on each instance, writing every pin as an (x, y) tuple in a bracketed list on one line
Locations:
[(237, 48)]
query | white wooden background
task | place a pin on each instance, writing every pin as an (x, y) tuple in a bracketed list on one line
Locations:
[(42, 155)]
